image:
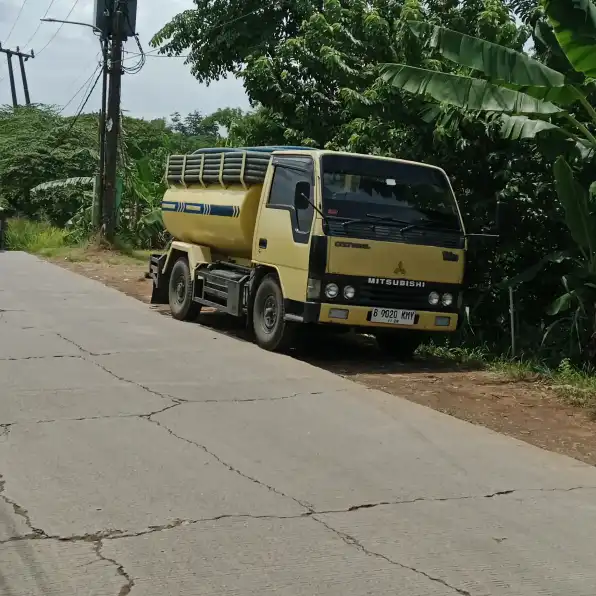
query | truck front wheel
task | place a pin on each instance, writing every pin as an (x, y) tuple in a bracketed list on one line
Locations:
[(272, 332), (180, 292)]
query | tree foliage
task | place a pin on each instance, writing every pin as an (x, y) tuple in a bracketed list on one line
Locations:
[(534, 101), (48, 164)]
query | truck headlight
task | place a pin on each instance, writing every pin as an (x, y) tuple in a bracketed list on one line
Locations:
[(331, 290), (434, 298), (447, 299), (349, 292)]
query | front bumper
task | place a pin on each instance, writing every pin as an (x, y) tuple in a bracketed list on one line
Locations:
[(358, 316)]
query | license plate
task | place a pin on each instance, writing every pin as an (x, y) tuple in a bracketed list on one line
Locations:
[(393, 316)]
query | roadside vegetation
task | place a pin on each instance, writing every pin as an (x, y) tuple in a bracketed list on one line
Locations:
[(500, 93)]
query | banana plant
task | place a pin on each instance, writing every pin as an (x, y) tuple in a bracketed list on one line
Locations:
[(546, 102)]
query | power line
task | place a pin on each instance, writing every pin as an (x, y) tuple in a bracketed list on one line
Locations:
[(40, 23), (16, 21), (151, 53), (78, 114), (91, 89), (87, 82), (59, 28)]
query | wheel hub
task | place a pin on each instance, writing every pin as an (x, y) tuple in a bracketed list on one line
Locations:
[(180, 290), (270, 313)]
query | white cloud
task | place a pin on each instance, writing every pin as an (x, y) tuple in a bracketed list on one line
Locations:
[(165, 85)]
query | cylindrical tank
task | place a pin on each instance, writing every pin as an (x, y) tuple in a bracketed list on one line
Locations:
[(221, 218)]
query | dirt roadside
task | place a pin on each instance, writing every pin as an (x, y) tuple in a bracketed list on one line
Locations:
[(527, 411)]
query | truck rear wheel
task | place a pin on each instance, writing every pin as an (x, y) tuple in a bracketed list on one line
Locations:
[(180, 292), (400, 346), (272, 332)]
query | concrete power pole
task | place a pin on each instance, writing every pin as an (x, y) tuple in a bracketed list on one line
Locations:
[(22, 59), (100, 185), (113, 120)]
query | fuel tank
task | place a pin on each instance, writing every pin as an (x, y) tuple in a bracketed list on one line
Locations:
[(221, 218)]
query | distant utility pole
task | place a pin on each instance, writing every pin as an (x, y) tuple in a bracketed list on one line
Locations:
[(22, 59)]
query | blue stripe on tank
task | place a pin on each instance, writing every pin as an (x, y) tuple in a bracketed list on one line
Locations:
[(201, 209)]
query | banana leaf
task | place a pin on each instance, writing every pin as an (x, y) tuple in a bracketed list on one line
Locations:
[(547, 45), (464, 92), (561, 304), (495, 61), (521, 127), (67, 182), (574, 23), (574, 199)]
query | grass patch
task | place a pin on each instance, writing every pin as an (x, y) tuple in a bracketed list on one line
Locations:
[(35, 237), (573, 385), (45, 240)]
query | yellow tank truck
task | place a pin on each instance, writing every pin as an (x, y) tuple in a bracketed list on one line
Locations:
[(293, 236)]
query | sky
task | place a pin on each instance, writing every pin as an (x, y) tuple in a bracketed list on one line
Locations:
[(67, 64)]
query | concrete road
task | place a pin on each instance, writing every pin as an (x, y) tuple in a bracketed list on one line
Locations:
[(143, 456)]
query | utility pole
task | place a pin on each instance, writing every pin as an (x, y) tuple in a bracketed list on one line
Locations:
[(24, 76), (22, 59), (13, 90), (113, 120), (99, 197)]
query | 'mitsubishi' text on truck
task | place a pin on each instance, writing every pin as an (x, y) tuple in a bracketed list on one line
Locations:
[(290, 236)]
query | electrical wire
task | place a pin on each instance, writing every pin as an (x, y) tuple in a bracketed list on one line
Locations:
[(152, 54), (78, 114), (52, 2), (142, 57), (59, 28), (87, 82), (149, 55), (16, 20)]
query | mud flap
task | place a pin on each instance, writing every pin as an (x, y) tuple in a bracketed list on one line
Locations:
[(159, 294)]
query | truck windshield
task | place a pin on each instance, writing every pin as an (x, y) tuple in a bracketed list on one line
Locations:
[(390, 193)]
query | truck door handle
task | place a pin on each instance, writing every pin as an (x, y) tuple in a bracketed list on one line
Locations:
[(262, 242)]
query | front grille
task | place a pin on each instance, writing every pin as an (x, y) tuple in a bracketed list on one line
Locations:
[(391, 296), (384, 233)]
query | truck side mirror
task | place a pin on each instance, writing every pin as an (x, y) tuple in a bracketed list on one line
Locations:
[(301, 196)]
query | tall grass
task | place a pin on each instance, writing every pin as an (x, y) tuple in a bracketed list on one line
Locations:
[(35, 237)]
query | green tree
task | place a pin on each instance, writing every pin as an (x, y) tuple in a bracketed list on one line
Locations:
[(531, 100)]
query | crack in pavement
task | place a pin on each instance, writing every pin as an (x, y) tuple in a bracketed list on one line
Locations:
[(129, 581), (350, 540), (38, 534), (231, 468), (104, 417), (98, 538), (116, 534), (48, 357), (20, 511), (257, 399), (107, 370)]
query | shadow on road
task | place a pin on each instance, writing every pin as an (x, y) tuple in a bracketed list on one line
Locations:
[(340, 353)]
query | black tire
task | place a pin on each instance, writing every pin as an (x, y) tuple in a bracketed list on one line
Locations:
[(400, 346), (180, 292), (272, 332)]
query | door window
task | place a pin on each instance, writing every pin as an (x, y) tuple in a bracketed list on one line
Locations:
[(288, 173)]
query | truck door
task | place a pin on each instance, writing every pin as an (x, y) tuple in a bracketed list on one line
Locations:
[(282, 234)]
